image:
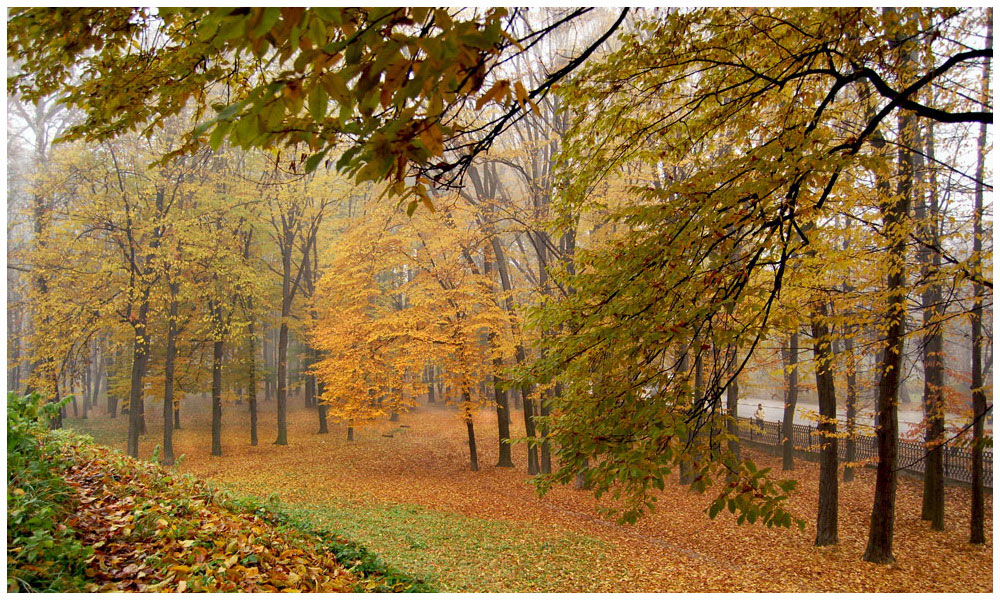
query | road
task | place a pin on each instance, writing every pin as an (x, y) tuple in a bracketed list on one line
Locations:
[(908, 419)]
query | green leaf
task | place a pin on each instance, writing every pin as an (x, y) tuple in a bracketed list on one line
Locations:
[(273, 113), (318, 102), (787, 485), (246, 130), (331, 14), (218, 135), (232, 28), (229, 111), (267, 20), (336, 87), (313, 161)]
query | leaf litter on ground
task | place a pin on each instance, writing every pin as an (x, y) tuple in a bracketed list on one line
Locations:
[(154, 530), (560, 542)]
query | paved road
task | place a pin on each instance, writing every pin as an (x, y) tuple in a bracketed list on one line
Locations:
[(774, 411)]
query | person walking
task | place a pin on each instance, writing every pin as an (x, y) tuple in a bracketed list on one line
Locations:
[(759, 416)]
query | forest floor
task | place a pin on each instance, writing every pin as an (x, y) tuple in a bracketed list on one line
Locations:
[(412, 499)]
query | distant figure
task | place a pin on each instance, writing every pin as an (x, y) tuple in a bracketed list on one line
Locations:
[(759, 415)]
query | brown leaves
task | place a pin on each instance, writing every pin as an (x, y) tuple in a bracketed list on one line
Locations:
[(151, 532), (498, 93), (433, 139)]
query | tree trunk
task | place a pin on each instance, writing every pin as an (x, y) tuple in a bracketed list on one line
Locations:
[(791, 399), (140, 353), (544, 455), (680, 374), (687, 475), (879, 549), (429, 377), (217, 395), (95, 389), (732, 414), (932, 508), (976, 523), (252, 380), (310, 381), (499, 394), (267, 365), (503, 418), (217, 355), (112, 401), (57, 421), (287, 293), (895, 209), (850, 450), (826, 518), (350, 433), (851, 367), (473, 457), (926, 213), (95, 378), (167, 455), (519, 355), (977, 533), (321, 407), (85, 391), (539, 240), (281, 391), (14, 336), (529, 429), (581, 481)]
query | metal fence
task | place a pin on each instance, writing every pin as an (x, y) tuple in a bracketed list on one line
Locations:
[(911, 455)]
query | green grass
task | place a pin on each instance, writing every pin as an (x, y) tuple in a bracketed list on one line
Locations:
[(376, 574), (455, 553)]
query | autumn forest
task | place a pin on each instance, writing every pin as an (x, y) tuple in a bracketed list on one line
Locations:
[(499, 300)]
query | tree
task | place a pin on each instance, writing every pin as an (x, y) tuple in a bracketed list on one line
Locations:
[(294, 212), (979, 408), (791, 399), (787, 165), (826, 520), (45, 119), (358, 330), (402, 291), (894, 210), (399, 76), (926, 214)]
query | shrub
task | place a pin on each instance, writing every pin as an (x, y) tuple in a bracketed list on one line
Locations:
[(43, 554)]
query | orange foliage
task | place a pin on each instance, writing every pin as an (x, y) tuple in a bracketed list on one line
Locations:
[(402, 291)]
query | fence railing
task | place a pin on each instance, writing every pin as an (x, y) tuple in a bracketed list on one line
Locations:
[(910, 455)]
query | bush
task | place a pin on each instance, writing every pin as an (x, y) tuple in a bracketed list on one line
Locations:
[(43, 554)]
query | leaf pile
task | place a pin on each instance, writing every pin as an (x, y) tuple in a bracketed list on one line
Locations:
[(152, 530)]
